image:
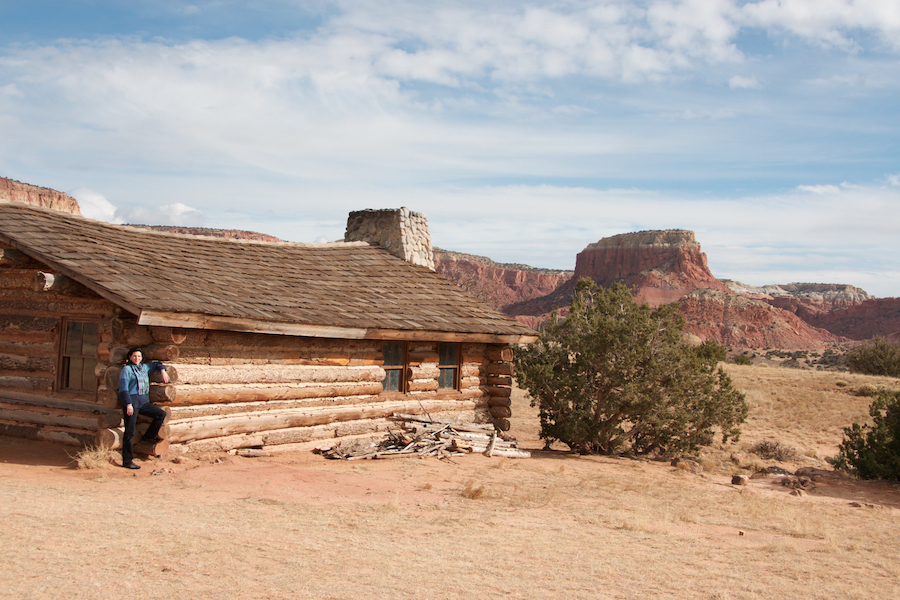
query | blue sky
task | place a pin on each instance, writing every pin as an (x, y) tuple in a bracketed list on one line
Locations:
[(524, 131)]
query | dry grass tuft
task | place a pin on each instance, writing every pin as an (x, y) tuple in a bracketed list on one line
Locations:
[(94, 457), (472, 490)]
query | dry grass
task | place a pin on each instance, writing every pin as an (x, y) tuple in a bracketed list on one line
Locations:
[(94, 457), (557, 525), (802, 409)]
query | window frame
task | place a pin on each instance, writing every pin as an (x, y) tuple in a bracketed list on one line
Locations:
[(456, 366), (64, 364), (401, 368)]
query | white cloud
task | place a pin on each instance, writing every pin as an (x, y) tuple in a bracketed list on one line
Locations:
[(740, 82), (94, 205)]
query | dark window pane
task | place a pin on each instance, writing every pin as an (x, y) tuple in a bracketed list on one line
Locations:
[(393, 354), (73, 338), (76, 365), (90, 339), (88, 377)]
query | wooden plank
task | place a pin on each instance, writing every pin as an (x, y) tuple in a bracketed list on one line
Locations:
[(202, 321)]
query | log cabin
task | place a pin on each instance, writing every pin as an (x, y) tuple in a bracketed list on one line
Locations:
[(265, 343)]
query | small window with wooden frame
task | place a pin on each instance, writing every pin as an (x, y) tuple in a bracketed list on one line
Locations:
[(395, 361), (448, 365), (78, 356)]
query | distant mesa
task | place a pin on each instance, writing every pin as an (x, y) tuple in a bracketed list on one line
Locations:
[(663, 265)]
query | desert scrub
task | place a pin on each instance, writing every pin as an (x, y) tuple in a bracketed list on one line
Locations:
[(873, 451), (773, 451), (878, 357), (867, 389), (613, 378)]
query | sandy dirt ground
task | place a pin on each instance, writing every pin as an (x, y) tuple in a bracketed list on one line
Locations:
[(557, 525)]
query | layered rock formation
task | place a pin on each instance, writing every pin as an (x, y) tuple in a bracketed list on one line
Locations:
[(663, 265), (16, 191), (743, 322), (498, 284), (876, 317)]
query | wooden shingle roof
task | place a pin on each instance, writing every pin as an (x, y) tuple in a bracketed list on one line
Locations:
[(337, 290)]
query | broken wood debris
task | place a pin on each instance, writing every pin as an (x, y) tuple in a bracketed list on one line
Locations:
[(421, 437)]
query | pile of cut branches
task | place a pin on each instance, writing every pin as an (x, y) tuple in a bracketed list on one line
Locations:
[(421, 436)]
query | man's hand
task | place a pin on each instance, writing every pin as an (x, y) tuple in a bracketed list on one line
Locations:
[(129, 410)]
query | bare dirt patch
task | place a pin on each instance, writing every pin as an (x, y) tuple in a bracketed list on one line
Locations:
[(558, 525)]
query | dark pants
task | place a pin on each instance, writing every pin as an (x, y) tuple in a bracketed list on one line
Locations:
[(150, 410)]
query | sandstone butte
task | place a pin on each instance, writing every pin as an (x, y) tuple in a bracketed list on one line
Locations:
[(665, 266)]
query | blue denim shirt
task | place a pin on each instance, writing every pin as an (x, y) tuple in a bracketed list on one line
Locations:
[(134, 383)]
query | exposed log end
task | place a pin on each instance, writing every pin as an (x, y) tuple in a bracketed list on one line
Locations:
[(168, 335), (502, 424), (500, 369), (501, 412), (162, 393), (42, 281), (497, 353)]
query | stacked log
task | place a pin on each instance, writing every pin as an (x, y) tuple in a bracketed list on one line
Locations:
[(499, 371), (72, 422)]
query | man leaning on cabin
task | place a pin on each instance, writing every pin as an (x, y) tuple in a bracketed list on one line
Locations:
[(134, 395)]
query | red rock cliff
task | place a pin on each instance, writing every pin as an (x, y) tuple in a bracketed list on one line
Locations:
[(15, 191), (498, 284), (876, 317)]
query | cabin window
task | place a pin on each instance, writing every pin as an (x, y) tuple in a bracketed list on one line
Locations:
[(394, 363), (448, 357), (79, 356)]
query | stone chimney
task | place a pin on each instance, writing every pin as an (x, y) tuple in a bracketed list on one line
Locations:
[(400, 231)]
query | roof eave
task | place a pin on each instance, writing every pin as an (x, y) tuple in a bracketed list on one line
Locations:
[(204, 321)]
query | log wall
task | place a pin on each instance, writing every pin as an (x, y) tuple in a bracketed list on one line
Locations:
[(227, 389), (30, 323)]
